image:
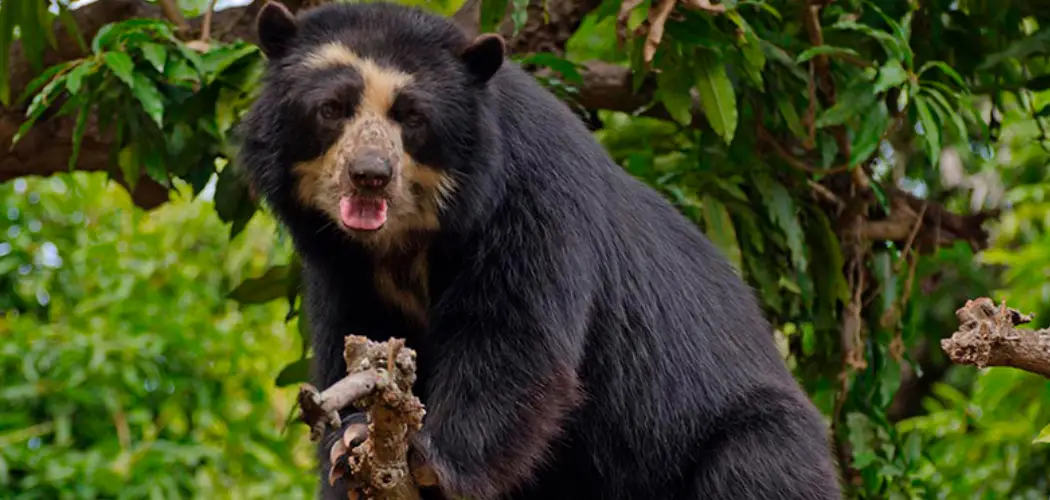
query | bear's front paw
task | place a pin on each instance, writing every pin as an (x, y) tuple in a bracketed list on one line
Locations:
[(353, 432)]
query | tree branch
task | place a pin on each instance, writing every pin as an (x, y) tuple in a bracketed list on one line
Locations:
[(988, 336)]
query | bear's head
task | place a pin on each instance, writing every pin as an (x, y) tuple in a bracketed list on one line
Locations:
[(368, 115)]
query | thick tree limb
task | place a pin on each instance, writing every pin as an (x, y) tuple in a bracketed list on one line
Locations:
[(988, 336)]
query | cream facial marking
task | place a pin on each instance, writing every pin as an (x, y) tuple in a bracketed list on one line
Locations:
[(415, 194), (381, 83)]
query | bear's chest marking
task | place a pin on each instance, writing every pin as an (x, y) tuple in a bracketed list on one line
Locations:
[(403, 283)]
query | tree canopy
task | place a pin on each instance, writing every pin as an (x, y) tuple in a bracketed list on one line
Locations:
[(867, 167)]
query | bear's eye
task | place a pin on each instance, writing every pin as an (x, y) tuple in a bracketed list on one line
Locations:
[(412, 119), (330, 110), (406, 112)]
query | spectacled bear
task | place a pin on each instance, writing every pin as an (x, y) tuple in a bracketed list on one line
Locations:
[(577, 337)]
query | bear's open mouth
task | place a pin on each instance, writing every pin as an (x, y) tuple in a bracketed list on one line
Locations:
[(362, 213)]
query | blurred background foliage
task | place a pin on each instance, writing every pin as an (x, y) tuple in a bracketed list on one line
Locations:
[(866, 166)]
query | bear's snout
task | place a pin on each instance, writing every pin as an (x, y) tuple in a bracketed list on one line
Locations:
[(370, 170)]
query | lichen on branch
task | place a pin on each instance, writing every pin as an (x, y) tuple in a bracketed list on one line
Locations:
[(379, 382)]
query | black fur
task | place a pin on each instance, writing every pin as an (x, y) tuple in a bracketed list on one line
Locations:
[(584, 340)]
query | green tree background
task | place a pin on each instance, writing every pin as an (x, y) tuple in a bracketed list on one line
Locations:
[(866, 166)]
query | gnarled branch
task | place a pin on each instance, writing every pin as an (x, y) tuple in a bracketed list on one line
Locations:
[(988, 336)]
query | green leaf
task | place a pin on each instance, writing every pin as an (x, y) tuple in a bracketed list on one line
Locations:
[(40, 103), (41, 80), (867, 139), (67, 20), (122, 66), (492, 12), (673, 91), (719, 227), (519, 14), (782, 212), (31, 35), (568, 69), (716, 96), (946, 69), (791, 118), (891, 75), (9, 16), (110, 33), (296, 372), (150, 98), (1043, 437), (272, 285), (83, 111), (890, 44), (128, 160), (824, 50), (103, 37), (216, 61), (226, 109), (76, 76), (937, 99), (156, 54), (930, 129), (856, 98), (181, 72), (231, 194)]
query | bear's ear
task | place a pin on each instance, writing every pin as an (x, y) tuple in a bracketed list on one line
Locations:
[(484, 56), (276, 26)]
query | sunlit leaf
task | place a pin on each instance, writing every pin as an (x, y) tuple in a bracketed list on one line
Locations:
[(147, 94), (76, 76), (825, 50), (717, 97), (156, 54), (1043, 437), (42, 79), (673, 90), (930, 129), (891, 75), (122, 66), (867, 139), (782, 211), (719, 227), (941, 65)]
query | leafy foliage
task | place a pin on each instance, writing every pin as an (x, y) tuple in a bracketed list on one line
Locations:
[(126, 371)]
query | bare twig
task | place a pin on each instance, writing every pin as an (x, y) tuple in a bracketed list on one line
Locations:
[(659, 12), (206, 27), (320, 410), (202, 43), (988, 336), (173, 13)]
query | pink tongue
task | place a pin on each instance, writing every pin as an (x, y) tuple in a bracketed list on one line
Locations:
[(366, 214)]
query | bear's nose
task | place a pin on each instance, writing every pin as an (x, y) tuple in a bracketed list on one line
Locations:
[(370, 170)]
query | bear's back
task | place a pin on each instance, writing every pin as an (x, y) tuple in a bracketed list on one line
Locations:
[(678, 329)]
